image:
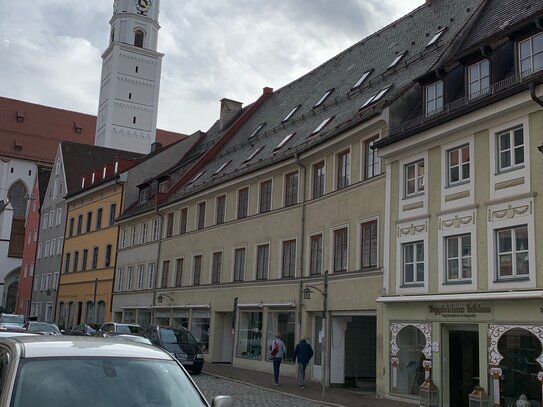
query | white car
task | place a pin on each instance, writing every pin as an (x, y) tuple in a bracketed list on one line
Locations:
[(55, 371)]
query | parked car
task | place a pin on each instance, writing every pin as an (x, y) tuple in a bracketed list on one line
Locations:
[(179, 342), (9, 334), (84, 329), (12, 321), (44, 328), (115, 328), (54, 371)]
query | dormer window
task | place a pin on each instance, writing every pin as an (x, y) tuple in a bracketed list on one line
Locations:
[(323, 98), (362, 79), (288, 116), (397, 60), (138, 38), (144, 195), (434, 98), (531, 55), (163, 186), (322, 125), (253, 154), (436, 37), (479, 79)]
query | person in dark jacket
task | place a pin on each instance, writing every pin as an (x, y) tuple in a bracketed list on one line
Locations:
[(302, 354)]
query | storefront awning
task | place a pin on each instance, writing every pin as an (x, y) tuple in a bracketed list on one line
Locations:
[(487, 296)]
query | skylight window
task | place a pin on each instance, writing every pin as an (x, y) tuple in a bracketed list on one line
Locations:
[(362, 79), (253, 154), (436, 37), (257, 129), (321, 126), (323, 98), (196, 177), (397, 59), (222, 167), (374, 98), (284, 141), (288, 116)]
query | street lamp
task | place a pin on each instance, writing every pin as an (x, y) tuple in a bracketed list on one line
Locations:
[(161, 297), (324, 292)]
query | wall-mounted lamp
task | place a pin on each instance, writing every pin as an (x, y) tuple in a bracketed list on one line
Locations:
[(160, 298)]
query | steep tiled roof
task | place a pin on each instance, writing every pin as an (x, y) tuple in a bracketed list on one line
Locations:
[(410, 33), (33, 131), (43, 180)]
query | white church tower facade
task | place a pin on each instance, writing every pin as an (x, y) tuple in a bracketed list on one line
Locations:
[(129, 87)]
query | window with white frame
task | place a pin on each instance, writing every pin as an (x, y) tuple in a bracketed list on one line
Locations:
[(134, 235), (139, 278), (45, 220), (531, 55), (124, 234), (38, 255), (458, 162), (414, 178), (510, 148), (120, 279), (512, 252), (130, 278), (156, 227), (318, 180), (196, 269), (239, 264), (288, 267), (53, 247), (243, 203), (373, 162), (59, 245), (220, 211), (368, 250), (413, 263), (291, 189), (183, 215), (51, 218), (340, 249), (165, 274), (151, 275), (169, 224), (265, 196), (458, 258), (59, 216), (216, 268), (46, 251), (179, 272), (262, 258), (434, 98), (343, 169), (201, 213), (479, 78), (315, 255), (144, 231)]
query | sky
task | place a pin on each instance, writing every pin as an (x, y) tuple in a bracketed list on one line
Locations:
[(50, 50)]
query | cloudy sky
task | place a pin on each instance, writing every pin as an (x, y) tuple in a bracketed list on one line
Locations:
[(50, 49)]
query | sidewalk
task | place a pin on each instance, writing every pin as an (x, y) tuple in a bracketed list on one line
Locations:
[(341, 397)]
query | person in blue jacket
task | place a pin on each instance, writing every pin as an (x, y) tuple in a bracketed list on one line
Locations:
[(302, 354)]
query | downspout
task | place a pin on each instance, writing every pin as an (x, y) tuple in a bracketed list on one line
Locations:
[(95, 310), (537, 100), (302, 238), (157, 256)]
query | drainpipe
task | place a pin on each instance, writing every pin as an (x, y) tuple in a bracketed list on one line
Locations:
[(157, 256), (537, 100), (302, 234), (95, 310)]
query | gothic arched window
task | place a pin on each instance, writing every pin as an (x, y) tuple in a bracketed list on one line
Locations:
[(138, 38), (16, 195)]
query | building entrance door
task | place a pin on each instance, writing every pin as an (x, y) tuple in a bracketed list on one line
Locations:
[(463, 364)]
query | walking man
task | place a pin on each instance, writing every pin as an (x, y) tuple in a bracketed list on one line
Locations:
[(302, 354), (278, 352)]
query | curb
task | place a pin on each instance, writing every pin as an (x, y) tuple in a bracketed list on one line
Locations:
[(324, 403)]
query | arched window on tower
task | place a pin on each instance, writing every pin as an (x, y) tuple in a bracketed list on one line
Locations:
[(138, 38), (112, 38)]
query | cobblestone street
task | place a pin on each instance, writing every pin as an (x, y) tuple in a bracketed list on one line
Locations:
[(248, 396)]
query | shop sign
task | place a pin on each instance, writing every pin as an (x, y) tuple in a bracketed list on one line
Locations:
[(459, 310)]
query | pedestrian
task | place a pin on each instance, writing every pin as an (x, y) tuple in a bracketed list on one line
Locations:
[(278, 352), (302, 354)]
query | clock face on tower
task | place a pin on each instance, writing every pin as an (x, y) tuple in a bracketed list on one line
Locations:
[(143, 5)]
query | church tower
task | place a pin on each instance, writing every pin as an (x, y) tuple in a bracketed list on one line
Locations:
[(128, 104)]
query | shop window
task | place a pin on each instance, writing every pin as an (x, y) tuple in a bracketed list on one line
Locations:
[(520, 350), (162, 317), (89, 312), (411, 342), (181, 318), (144, 317), (200, 328), (250, 335), (284, 323)]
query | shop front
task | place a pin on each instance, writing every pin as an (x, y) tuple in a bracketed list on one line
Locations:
[(459, 345)]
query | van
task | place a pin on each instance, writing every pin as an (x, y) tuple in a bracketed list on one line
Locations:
[(179, 342)]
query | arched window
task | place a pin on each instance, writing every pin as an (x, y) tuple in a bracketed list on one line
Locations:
[(16, 195), (112, 38), (411, 342), (89, 317), (101, 312), (138, 38)]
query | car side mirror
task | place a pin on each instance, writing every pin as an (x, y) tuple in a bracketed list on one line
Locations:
[(222, 401)]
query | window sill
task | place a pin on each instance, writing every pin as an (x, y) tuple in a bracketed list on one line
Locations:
[(510, 280), (457, 184), (458, 282), (417, 285), (415, 195), (510, 169)]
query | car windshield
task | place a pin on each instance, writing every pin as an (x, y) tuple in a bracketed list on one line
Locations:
[(178, 336), (104, 382), (128, 329), (42, 326), (15, 319)]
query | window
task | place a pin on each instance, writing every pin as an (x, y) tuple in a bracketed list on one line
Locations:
[(284, 322), (130, 278), (323, 98), (120, 279), (510, 148), (368, 251), (112, 213), (196, 269), (151, 275), (436, 37), (190, 182), (67, 263), (156, 228), (414, 178), (239, 264), (254, 133), (375, 97), (289, 115), (222, 167), (201, 215), (59, 245), (288, 266), (315, 256), (46, 251), (76, 261), (413, 263), (165, 274), (45, 220), (107, 261), (138, 38), (221, 209), (53, 247), (265, 196), (216, 268), (51, 218), (99, 218), (59, 216), (318, 180), (479, 78), (84, 260), (124, 235), (178, 272), (79, 224), (169, 224), (134, 235), (362, 79), (531, 55), (252, 155), (250, 335), (373, 162), (434, 98), (139, 279), (459, 164), (343, 169), (183, 221), (71, 228), (95, 258), (321, 126), (512, 252), (397, 59), (283, 142), (200, 325), (144, 231), (38, 255), (291, 189), (262, 256), (89, 220), (340, 249), (243, 203), (458, 257)]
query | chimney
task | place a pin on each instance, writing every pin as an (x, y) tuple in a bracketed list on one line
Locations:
[(229, 110), (155, 146)]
